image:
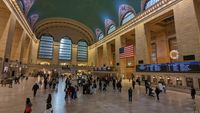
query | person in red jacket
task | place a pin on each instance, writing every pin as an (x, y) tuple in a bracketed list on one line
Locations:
[(28, 106)]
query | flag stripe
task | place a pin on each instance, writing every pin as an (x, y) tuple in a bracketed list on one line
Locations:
[(127, 52)]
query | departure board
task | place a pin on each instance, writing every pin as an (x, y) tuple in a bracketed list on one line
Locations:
[(177, 67)]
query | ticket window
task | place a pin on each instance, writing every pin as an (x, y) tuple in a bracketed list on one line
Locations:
[(178, 82), (143, 78), (155, 81), (189, 82), (162, 80), (148, 77), (169, 81)]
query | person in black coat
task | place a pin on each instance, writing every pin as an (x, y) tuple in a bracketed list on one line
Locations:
[(35, 88), (193, 92), (146, 86), (130, 94), (114, 84), (133, 84), (157, 91), (49, 98), (45, 83)]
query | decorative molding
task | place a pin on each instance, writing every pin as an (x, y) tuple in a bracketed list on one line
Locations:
[(160, 6), (16, 10)]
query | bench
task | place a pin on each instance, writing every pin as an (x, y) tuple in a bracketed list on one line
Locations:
[(4, 82)]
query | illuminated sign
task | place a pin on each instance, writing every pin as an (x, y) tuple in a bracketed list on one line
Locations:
[(102, 68), (178, 67)]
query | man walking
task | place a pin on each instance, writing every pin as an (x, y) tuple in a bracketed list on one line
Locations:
[(157, 91), (133, 84), (130, 94), (35, 88), (193, 92)]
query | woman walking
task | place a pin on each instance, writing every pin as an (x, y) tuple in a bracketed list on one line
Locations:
[(49, 105), (28, 106)]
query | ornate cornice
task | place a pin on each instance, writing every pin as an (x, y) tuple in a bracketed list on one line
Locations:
[(160, 6), (15, 10)]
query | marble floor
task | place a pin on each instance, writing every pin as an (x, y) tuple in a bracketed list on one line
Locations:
[(12, 100)]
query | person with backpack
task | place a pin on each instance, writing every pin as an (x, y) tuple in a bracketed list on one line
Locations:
[(28, 106)]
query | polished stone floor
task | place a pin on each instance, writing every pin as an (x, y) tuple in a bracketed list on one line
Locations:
[(12, 100)]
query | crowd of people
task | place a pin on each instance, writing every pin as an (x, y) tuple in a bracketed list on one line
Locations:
[(91, 85)]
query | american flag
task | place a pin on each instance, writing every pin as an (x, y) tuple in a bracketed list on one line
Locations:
[(126, 52)]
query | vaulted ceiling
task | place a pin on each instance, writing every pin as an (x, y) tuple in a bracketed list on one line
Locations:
[(91, 13)]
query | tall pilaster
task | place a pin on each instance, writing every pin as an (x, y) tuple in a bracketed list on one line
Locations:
[(187, 29), (23, 37), (117, 46), (34, 52), (55, 53), (17, 45), (105, 54), (7, 37), (142, 52), (74, 54)]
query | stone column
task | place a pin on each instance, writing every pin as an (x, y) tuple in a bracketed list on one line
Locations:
[(142, 45), (55, 53), (105, 54), (117, 59), (91, 56), (110, 56), (7, 38), (74, 54), (26, 51), (18, 49), (29, 55), (117, 46), (187, 29), (95, 56), (34, 52)]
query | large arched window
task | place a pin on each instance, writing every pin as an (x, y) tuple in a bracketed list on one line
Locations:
[(21, 5), (101, 36), (82, 51), (127, 17), (150, 3), (109, 26), (65, 50), (126, 13), (28, 4), (46, 47), (33, 19), (111, 29), (99, 33)]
